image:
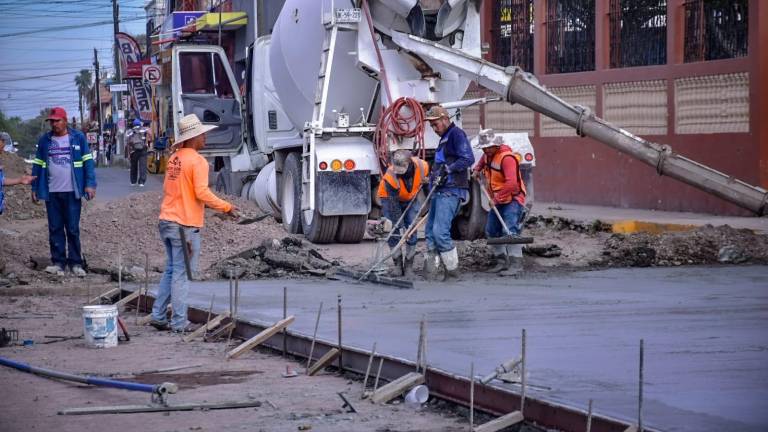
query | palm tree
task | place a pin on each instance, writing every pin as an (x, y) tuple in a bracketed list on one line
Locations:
[(83, 82)]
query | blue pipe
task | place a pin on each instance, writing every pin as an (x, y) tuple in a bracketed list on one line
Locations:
[(101, 382)]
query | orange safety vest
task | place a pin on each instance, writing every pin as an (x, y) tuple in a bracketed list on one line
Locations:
[(421, 171), (495, 176)]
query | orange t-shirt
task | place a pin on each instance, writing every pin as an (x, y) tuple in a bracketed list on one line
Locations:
[(185, 190)]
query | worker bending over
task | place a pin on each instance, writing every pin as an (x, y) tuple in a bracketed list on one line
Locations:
[(399, 187), (450, 175), (185, 196), (501, 171)]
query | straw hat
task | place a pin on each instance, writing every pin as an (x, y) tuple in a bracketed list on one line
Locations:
[(190, 127)]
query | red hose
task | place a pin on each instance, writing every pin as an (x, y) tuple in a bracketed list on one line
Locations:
[(403, 119)]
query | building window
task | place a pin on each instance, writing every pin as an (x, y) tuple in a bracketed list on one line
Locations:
[(715, 29), (570, 36), (513, 28), (638, 33)]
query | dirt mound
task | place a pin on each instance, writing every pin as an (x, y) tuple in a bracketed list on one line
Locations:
[(13, 165), (289, 257), (129, 225), (704, 245), (18, 204)]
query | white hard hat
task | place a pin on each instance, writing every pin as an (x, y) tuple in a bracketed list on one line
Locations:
[(487, 138)]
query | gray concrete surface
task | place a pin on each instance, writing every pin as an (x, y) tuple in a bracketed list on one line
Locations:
[(705, 334)]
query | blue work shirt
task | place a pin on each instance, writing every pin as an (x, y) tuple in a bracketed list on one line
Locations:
[(455, 153)]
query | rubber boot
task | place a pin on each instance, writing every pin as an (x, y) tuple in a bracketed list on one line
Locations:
[(410, 255), (397, 260), (451, 261), (431, 264), (514, 255), (499, 262)]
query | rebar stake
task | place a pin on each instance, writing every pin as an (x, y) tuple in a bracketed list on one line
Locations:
[(471, 396), (338, 307), (368, 369), (589, 417), (314, 336), (285, 315), (640, 392), (522, 376)]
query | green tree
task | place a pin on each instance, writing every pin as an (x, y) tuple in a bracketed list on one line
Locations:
[(83, 82)]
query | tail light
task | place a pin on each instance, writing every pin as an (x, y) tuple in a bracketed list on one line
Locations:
[(349, 164), (323, 165), (528, 157), (336, 165)]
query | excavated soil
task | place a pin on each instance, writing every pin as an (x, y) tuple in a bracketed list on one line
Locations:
[(125, 230), (17, 198)]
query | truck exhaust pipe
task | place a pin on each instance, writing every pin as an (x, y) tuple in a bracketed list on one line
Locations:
[(521, 87)]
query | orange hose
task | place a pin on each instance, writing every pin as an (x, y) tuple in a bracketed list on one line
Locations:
[(403, 119)]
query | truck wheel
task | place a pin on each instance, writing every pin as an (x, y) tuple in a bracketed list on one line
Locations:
[(290, 187), (351, 228), (318, 228), (469, 224)]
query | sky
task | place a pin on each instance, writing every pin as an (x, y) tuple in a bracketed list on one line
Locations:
[(37, 70)]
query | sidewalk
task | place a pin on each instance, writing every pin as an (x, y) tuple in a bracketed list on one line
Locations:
[(626, 219)]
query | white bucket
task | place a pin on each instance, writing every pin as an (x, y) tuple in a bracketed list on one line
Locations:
[(417, 396), (100, 326)]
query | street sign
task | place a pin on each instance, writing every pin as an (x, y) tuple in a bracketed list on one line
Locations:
[(92, 137), (114, 88), (152, 74)]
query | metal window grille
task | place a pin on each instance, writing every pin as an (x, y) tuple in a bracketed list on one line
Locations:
[(715, 29), (513, 31), (638, 32), (570, 36)]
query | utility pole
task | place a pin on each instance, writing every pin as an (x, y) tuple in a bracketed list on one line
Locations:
[(115, 31), (98, 88)]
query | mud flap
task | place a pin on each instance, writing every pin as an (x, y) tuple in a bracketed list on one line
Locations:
[(343, 193)]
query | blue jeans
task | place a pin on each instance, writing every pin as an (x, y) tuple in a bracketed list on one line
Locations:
[(174, 285), (63, 211), (510, 213), (442, 210), (413, 212)]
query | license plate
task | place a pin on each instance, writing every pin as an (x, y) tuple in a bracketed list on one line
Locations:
[(351, 15)]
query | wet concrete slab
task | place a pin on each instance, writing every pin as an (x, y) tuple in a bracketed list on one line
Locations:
[(705, 332)]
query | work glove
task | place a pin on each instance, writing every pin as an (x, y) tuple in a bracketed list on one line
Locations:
[(442, 175)]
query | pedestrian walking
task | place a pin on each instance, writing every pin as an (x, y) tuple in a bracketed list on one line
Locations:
[(64, 174), (185, 196), (399, 187), (137, 146), (504, 183), (450, 175)]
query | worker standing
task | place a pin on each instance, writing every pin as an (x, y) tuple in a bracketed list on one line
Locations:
[(399, 187), (503, 181), (450, 175), (137, 147), (64, 174), (185, 196)]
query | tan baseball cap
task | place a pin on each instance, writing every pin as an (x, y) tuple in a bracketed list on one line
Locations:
[(435, 113)]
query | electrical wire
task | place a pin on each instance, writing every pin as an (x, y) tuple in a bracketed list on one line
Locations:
[(69, 27)]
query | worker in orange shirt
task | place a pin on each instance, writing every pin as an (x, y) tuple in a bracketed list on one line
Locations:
[(185, 196)]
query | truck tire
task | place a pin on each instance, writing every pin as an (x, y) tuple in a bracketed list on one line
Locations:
[(319, 228), (351, 228), (469, 224), (290, 197)]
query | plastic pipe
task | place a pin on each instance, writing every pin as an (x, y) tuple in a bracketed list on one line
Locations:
[(101, 382)]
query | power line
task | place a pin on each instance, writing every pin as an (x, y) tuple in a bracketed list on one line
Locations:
[(69, 27), (36, 77)]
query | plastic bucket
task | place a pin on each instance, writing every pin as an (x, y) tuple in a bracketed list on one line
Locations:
[(417, 396), (100, 326)]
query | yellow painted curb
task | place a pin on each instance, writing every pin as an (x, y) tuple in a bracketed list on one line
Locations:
[(634, 226)]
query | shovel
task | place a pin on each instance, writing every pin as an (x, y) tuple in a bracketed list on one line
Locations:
[(509, 238)]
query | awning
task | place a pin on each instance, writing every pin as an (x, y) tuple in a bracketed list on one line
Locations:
[(229, 21)]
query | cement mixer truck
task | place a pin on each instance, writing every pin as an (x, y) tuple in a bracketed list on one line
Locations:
[(305, 142)]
